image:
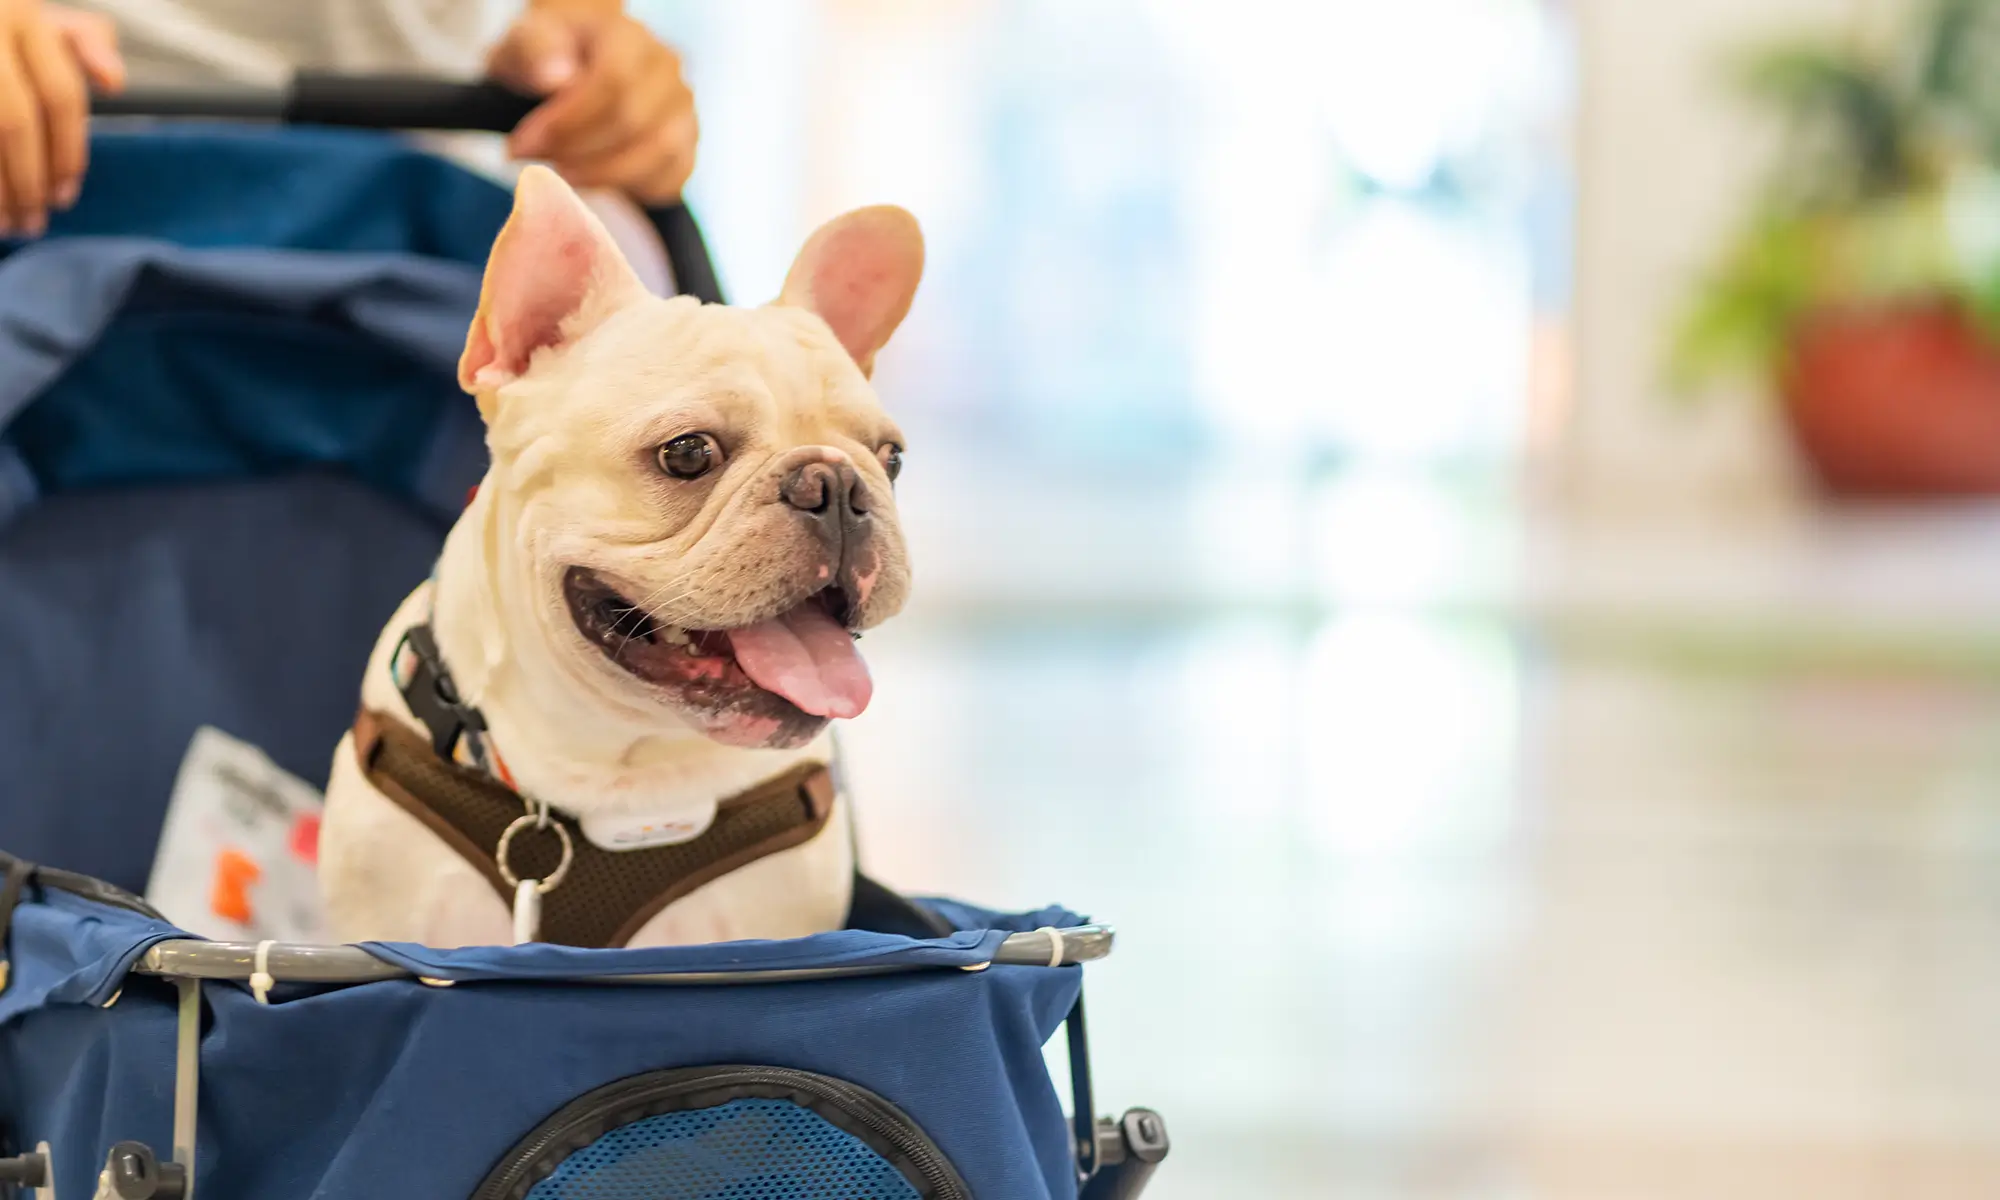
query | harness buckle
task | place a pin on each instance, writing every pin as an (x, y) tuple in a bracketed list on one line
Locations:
[(433, 696)]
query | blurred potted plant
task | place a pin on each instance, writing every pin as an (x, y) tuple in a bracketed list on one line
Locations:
[(1866, 282)]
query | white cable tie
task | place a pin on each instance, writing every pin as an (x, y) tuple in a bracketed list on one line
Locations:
[(261, 982), (1055, 944)]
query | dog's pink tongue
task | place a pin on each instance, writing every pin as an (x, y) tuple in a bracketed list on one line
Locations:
[(806, 657)]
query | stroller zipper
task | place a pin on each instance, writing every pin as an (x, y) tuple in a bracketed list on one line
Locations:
[(847, 1105)]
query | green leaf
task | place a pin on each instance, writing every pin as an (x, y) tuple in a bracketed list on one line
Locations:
[(1738, 322), (1956, 88), (1944, 39), (1824, 91)]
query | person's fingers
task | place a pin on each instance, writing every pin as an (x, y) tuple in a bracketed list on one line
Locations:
[(652, 169), (625, 121), (654, 96), (619, 166), (53, 75), (23, 181), (615, 59), (93, 39), (539, 54)]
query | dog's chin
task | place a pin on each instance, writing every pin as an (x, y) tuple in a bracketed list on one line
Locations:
[(696, 672)]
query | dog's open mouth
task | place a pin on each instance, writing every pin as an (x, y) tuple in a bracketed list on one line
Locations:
[(803, 658)]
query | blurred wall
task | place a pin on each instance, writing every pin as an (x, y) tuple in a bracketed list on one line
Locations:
[(1666, 155)]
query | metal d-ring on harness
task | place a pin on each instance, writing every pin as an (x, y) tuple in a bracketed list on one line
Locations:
[(434, 700), (528, 893)]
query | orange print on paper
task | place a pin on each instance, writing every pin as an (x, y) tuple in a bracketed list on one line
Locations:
[(229, 895)]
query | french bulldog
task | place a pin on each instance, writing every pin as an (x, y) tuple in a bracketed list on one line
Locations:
[(654, 594)]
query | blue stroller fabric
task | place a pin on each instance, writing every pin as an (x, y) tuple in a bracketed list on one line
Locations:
[(223, 302), (300, 189), (130, 617), (231, 439), (398, 1089), (121, 360)]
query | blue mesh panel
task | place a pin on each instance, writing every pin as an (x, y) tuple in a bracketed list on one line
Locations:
[(742, 1150)]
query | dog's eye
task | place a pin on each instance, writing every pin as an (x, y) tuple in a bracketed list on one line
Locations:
[(690, 456), (892, 459)]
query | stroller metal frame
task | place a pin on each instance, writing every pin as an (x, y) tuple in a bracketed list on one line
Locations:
[(301, 963), (190, 961)]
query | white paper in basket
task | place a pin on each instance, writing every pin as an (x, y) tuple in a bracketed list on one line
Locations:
[(237, 853)]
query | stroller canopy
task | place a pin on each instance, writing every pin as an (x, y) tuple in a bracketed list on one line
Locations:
[(231, 439)]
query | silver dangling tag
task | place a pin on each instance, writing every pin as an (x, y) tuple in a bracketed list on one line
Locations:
[(527, 911)]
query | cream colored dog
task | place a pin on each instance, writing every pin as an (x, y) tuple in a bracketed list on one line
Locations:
[(654, 594)]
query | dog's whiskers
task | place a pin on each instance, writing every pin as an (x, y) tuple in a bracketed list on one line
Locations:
[(644, 608)]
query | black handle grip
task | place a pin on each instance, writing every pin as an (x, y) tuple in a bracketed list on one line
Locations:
[(404, 102)]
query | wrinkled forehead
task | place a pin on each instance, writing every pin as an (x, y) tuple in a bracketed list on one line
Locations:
[(779, 368)]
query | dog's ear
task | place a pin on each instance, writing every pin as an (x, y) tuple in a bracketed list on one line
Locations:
[(859, 273), (553, 276)]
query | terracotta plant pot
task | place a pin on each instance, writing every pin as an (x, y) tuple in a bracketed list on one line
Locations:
[(1896, 402)]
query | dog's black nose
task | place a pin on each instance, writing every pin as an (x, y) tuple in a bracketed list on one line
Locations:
[(831, 492)]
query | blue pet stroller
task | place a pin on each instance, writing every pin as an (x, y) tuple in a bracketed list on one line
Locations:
[(230, 439)]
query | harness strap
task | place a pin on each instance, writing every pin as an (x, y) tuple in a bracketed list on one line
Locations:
[(607, 895)]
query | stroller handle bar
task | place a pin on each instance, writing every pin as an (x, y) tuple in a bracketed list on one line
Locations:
[(192, 958), (400, 102), (351, 101)]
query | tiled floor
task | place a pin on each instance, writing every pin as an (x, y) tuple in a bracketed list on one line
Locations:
[(1419, 902)]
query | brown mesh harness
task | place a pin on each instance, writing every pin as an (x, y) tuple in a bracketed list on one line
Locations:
[(606, 896)]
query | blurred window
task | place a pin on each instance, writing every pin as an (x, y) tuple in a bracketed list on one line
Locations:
[(1336, 229)]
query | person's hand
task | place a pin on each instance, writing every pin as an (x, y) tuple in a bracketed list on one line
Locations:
[(618, 115), (47, 56)]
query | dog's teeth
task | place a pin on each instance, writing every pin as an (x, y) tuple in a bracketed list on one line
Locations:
[(677, 635)]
